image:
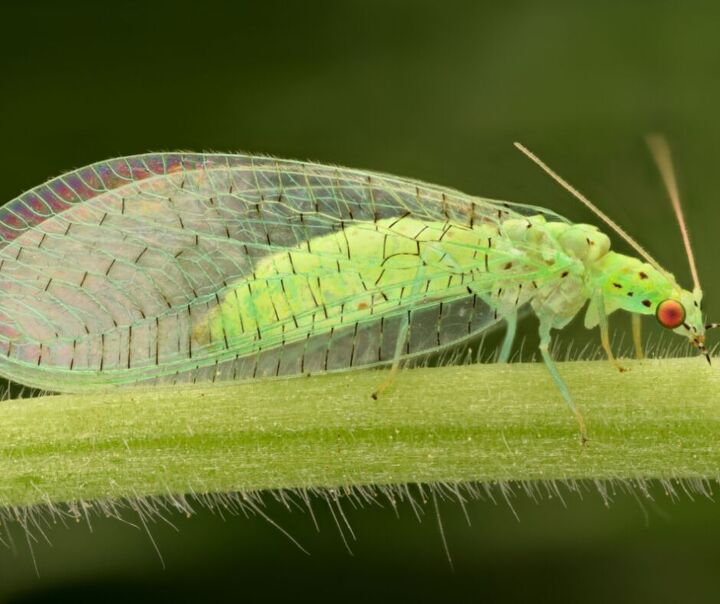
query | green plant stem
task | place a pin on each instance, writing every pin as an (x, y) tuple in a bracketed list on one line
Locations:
[(661, 419)]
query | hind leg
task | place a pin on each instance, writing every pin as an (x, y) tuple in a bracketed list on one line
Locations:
[(397, 357), (403, 333)]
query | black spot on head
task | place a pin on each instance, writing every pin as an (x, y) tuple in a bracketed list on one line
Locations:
[(565, 273), (618, 285), (642, 275), (589, 241), (631, 294), (507, 266), (647, 303)]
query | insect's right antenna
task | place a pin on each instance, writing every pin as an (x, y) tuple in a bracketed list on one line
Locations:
[(591, 206), (660, 151)]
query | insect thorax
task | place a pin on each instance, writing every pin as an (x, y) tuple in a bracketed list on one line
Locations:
[(563, 255)]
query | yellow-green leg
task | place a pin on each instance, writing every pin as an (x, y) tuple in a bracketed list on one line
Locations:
[(397, 357), (402, 335), (637, 336), (605, 334)]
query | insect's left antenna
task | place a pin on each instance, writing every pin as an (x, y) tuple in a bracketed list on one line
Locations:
[(590, 205), (660, 151)]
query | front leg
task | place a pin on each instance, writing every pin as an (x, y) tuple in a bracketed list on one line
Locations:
[(637, 336), (605, 334)]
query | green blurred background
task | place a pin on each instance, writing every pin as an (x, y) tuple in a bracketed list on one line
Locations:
[(432, 90)]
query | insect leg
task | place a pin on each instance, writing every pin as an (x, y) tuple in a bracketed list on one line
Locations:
[(511, 322), (545, 339), (605, 334), (637, 336), (402, 335)]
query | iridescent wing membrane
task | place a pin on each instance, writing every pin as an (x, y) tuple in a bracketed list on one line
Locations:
[(126, 270)]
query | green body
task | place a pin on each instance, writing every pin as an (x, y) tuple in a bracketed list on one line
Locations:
[(386, 268)]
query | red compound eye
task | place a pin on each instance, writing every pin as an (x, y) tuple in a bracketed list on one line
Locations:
[(670, 313)]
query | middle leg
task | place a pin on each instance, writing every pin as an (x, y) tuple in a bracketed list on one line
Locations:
[(511, 323), (557, 378)]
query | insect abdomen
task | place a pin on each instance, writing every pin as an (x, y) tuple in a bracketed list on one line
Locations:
[(339, 302)]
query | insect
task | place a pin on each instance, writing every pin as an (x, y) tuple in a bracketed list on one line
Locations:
[(186, 267)]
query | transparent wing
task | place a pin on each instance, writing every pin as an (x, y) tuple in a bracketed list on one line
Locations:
[(114, 273)]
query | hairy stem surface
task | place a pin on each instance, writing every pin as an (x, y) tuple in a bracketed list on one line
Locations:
[(661, 419)]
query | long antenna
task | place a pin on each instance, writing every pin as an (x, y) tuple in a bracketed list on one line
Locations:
[(660, 151), (592, 207)]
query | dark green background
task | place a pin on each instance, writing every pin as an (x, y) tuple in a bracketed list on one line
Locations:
[(432, 90)]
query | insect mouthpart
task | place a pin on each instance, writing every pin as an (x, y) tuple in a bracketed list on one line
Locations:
[(699, 343), (701, 347)]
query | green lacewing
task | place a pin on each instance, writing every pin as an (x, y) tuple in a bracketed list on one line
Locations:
[(203, 267)]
